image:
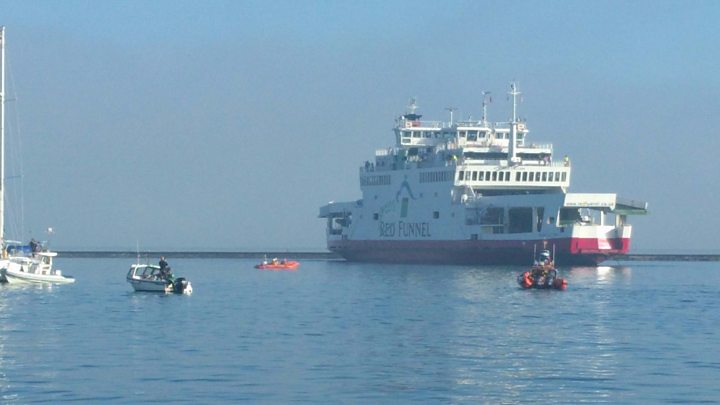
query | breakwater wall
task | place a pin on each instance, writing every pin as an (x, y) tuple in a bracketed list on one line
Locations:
[(675, 257)]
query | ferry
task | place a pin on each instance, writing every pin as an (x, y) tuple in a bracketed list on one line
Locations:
[(474, 192)]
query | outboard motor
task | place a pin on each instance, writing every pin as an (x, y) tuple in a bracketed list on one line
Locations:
[(550, 280), (182, 286)]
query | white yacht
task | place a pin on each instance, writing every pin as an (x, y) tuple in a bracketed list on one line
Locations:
[(37, 268), (20, 263)]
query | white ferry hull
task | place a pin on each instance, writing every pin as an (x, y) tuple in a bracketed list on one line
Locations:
[(413, 235)]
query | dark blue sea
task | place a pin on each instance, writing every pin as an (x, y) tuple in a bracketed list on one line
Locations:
[(336, 332)]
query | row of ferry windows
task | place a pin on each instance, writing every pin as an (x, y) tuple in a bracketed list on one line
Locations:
[(382, 180), (424, 134), (431, 177), (475, 135), (505, 176), (470, 135)]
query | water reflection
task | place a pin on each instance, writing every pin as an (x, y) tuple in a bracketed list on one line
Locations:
[(600, 275), (511, 344), (32, 319), (5, 364), (6, 288)]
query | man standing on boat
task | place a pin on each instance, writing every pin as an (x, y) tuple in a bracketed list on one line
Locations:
[(164, 268), (34, 245)]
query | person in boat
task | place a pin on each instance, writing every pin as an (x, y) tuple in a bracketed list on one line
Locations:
[(542, 267), (543, 259), (34, 245), (165, 271)]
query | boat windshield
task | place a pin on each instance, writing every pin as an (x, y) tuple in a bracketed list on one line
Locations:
[(148, 272)]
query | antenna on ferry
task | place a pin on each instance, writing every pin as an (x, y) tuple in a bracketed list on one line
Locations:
[(487, 99), (512, 145), (514, 93), (451, 109), (412, 106)]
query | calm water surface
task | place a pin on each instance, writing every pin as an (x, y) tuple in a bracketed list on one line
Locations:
[(336, 332)]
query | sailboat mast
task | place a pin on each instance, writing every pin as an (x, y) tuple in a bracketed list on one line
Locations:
[(2, 135)]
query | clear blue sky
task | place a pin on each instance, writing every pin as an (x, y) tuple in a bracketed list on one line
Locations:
[(226, 124)]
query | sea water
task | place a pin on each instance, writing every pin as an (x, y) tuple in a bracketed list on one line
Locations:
[(338, 332)]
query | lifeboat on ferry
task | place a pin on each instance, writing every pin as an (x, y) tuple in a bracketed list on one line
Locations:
[(276, 264)]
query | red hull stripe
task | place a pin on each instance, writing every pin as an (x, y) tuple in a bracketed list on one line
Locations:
[(568, 250)]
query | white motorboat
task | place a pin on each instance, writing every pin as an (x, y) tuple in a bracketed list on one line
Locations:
[(151, 278), (34, 269)]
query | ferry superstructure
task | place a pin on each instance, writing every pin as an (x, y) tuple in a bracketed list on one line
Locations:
[(474, 192)]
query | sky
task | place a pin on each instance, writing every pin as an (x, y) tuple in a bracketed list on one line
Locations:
[(225, 125)]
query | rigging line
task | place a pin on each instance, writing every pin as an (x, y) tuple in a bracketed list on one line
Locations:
[(16, 153)]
